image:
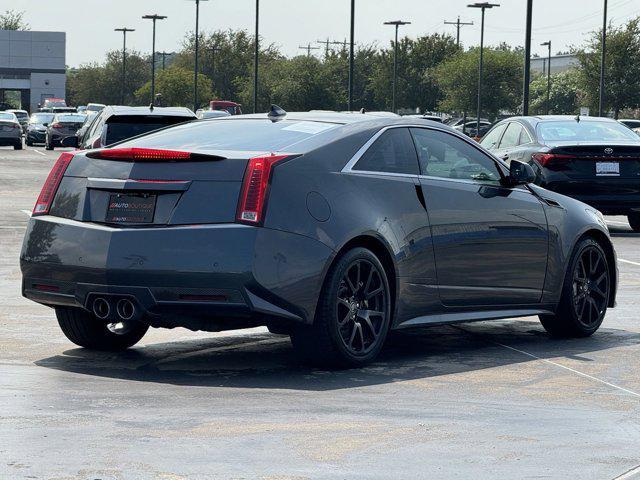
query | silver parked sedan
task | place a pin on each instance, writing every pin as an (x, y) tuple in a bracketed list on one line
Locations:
[(10, 131)]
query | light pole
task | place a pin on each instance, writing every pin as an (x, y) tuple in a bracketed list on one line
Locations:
[(255, 59), (482, 6), (397, 24), (458, 24), (527, 60), (351, 54), (155, 17), (195, 69), (124, 31), (602, 59), (548, 44)]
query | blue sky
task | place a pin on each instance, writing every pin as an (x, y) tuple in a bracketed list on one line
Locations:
[(290, 23)]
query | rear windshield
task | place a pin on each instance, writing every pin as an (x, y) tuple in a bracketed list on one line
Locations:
[(70, 118), (21, 115), (232, 134), (41, 118), (123, 127), (589, 130), (7, 116)]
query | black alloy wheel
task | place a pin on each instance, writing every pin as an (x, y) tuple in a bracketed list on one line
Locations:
[(361, 307), (590, 286)]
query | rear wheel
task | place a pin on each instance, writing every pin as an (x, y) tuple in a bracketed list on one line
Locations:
[(634, 221), (585, 293), (353, 314), (48, 145), (85, 330), (29, 143), (18, 145)]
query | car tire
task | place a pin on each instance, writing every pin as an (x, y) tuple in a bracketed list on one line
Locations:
[(634, 221), (85, 330), (28, 143), (48, 146), (585, 293), (353, 314), (18, 146)]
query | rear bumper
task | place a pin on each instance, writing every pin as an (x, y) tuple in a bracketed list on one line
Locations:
[(610, 196), (36, 137), (204, 277)]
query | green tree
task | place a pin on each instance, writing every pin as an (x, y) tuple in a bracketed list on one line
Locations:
[(502, 81), (11, 20), (102, 83), (565, 95), (175, 84), (622, 68)]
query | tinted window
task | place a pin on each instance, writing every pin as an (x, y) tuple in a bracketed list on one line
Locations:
[(492, 138), (232, 134), (511, 137), (570, 130), (446, 156), (393, 152)]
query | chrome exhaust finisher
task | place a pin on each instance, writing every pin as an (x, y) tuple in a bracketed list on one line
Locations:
[(101, 308), (125, 309)]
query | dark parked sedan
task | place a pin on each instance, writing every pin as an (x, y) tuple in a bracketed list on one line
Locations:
[(331, 228), (595, 160), (62, 126), (37, 127)]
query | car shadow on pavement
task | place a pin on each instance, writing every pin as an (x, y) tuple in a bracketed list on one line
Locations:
[(263, 360)]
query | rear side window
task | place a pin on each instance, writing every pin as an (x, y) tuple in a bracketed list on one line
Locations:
[(231, 134), (121, 128), (491, 139), (393, 152)]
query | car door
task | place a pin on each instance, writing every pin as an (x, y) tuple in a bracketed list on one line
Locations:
[(489, 240), (513, 143)]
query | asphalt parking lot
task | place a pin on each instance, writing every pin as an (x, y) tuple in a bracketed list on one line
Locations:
[(483, 400)]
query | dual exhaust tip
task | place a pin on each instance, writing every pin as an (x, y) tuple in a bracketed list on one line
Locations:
[(124, 308)]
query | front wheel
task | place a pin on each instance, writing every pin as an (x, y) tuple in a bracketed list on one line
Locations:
[(85, 330), (634, 221), (585, 293), (18, 146), (353, 314)]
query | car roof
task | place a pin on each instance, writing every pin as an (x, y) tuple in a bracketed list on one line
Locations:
[(329, 116), (536, 119), (146, 111), (16, 110)]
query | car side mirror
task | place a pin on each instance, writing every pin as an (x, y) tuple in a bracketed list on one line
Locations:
[(45, 124), (70, 142), (520, 173)]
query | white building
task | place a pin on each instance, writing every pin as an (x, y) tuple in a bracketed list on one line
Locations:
[(32, 63), (559, 63)]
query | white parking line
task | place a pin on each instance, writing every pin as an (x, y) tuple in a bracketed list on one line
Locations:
[(585, 375), (629, 474), (38, 151), (637, 264), (26, 212)]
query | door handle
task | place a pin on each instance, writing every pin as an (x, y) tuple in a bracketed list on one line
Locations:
[(420, 195)]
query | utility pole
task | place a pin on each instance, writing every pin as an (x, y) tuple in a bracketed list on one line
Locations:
[(397, 24), (527, 60), (154, 18), (255, 59), (124, 31), (351, 54), (483, 7), (548, 44), (308, 48), (458, 24), (326, 45), (164, 55), (602, 60)]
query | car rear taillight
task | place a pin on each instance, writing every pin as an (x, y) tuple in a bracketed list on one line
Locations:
[(56, 125), (255, 186), (553, 159), (140, 154), (51, 184)]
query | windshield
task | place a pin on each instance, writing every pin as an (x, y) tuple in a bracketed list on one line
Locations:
[(7, 116), (70, 118), (40, 118), (228, 134), (584, 131), (21, 115)]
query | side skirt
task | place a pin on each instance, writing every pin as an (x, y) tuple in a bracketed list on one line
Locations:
[(476, 316)]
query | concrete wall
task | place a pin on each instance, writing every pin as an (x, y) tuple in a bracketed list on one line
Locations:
[(34, 57)]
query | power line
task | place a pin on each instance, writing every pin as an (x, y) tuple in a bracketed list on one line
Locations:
[(458, 24)]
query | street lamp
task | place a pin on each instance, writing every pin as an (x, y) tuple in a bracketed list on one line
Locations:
[(527, 60), (548, 44), (124, 31), (483, 6), (255, 59), (602, 59), (154, 18), (195, 69), (351, 54), (397, 24)]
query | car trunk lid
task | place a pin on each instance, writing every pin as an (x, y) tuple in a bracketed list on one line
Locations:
[(593, 161)]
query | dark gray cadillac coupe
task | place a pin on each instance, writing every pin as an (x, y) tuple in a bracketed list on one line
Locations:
[(331, 228)]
